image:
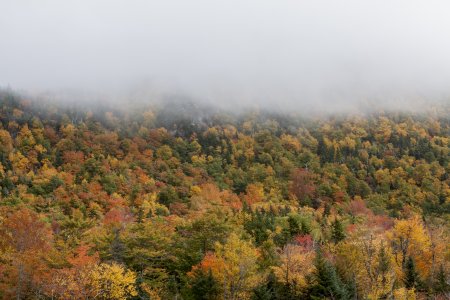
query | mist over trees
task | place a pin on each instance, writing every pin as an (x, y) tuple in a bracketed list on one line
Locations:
[(187, 201), (224, 150), (284, 54)]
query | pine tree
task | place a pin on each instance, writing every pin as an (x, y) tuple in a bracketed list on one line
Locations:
[(266, 291), (117, 247), (441, 285), (326, 210), (294, 226), (204, 286), (325, 283), (337, 231), (306, 226), (383, 263), (412, 279)]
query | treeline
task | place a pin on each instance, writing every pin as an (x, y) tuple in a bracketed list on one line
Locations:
[(179, 201)]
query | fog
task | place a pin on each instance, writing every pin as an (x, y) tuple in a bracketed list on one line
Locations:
[(284, 53)]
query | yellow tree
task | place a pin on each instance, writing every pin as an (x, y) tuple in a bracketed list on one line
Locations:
[(410, 239), (290, 143), (112, 281), (254, 193), (404, 294), (73, 282), (233, 265), (6, 142), (93, 281), (20, 164), (366, 258), (296, 264), (25, 139)]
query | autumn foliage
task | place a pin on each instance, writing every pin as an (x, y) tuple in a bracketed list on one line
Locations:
[(173, 201)]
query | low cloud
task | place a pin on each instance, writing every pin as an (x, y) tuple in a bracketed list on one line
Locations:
[(334, 55)]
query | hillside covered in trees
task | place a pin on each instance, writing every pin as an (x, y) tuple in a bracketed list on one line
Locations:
[(179, 201)]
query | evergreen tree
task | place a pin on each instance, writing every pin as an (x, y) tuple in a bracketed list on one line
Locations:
[(441, 285), (259, 224), (294, 226), (326, 210), (267, 290), (204, 286), (117, 248), (383, 263), (337, 231), (412, 279), (324, 282), (306, 226)]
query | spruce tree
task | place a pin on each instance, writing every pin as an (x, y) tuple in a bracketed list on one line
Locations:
[(412, 279), (294, 226), (117, 248), (337, 231), (383, 263), (204, 286), (441, 285), (267, 290), (326, 210), (306, 226), (325, 282)]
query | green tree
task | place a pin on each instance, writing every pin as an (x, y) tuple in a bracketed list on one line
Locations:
[(412, 279), (325, 282), (204, 286), (441, 285), (337, 231)]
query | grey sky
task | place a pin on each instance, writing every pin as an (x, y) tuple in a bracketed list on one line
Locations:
[(274, 51)]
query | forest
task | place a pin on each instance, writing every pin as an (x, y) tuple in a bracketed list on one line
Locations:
[(178, 200)]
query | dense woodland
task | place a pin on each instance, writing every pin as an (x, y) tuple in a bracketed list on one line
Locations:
[(181, 201)]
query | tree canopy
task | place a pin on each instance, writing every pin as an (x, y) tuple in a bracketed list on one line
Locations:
[(147, 202)]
